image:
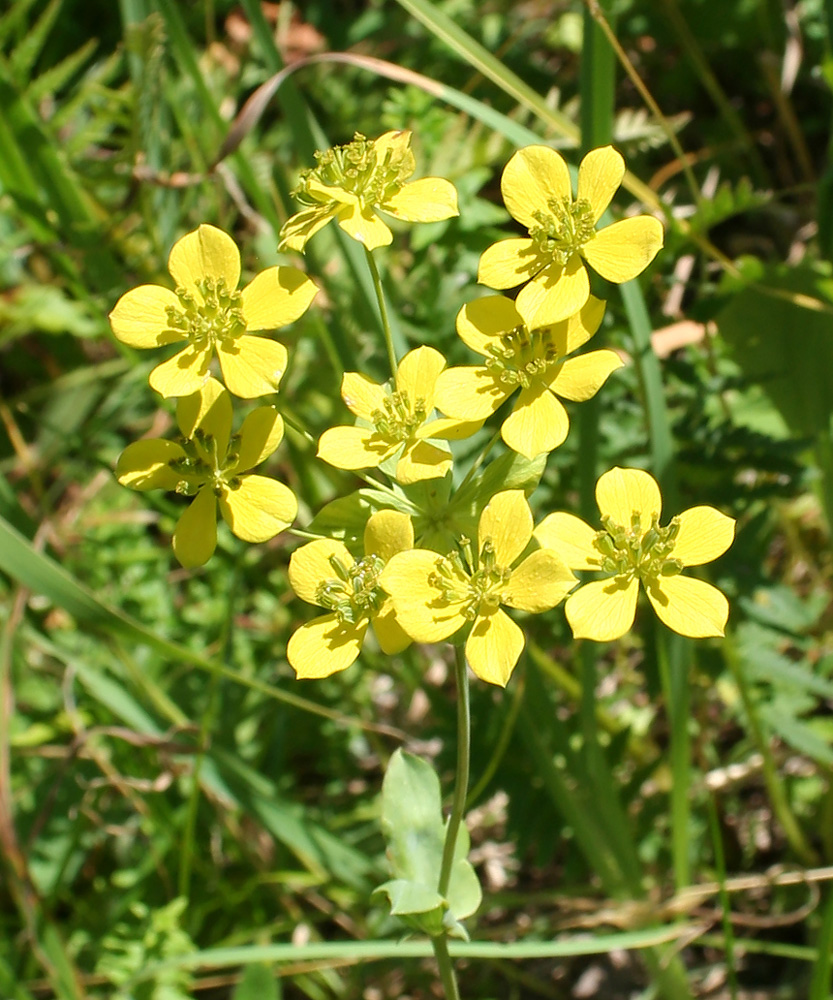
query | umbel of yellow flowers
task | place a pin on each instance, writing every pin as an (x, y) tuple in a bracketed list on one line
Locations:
[(213, 467), (435, 596), (632, 549), (529, 361), (351, 183), (562, 233), (210, 316)]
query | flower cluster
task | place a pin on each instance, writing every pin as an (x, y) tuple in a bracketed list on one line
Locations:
[(419, 576)]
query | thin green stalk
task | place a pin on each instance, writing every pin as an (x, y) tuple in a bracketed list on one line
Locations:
[(446, 968), (673, 668), (461, 776), (383, 310), (725, 906), (822, 981), (479, 461)]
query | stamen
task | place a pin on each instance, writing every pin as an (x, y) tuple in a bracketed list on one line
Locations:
[(216, 314), (563, 230), (355, 593), (631, 553)]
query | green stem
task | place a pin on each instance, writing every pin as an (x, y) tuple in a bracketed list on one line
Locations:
[(444, 963), (674, 668), (383, 310), (478, 461), (461, 777)]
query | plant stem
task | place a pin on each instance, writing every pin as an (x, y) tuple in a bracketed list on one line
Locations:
[(383, 310), (461, 777), (447, 976), (479, 461)]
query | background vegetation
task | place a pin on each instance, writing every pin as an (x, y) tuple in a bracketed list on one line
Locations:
[(178, 816)]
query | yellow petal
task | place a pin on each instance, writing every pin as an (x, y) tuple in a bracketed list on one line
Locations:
[(422, 460), (555, 294), (509, 263), (324, 646), (388, 532), (493, 647), (470, 393), (538, 423), (417, 374), (140, 317), (531, 179), (506, 521), (389, 633), (575, 331), (539, 583), (599, 177), (704, 535), (257, 508), (144, 465), (623, 250), (183, 374), (581, 378), (210, 410), (252, 366), (260, 435), (277, 297), (448, 429), (354, 448), (602, 610), (207, 252), (571, 538), (421, 609), (362, 396), (195, 535), (688, 606), (620, 492), (300, 227), (365, 226), (431, 199), (328, 193), (479, 323), (312, 564)]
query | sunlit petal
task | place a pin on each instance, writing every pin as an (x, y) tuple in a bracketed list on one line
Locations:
[(493, 647), (315, 563), (257, 508), (473, 393), (688, 606), (140, 317), (300, 227), (532, 178), (539, 583), (324, 646), (388, 532), (210, 410), (448, 429), (422, 460), (430, 199), (365, 226), (421, 609), (195, 535), (576, 330), (417, 374), (207, 252), (252, 366), (622, 251), (362, 396), (621, 492), (480, 322), (354, 448), (538, 423), (599, 176), (276, 297), (145, 465), (602, 610), (506, 522), (704, 535), (183, 374), (509, 263), (571, 538), (581, 378), (260, 435), (389, 633), (555, 294)]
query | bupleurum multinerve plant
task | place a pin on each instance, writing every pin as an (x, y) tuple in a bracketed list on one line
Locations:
[(454, 563)]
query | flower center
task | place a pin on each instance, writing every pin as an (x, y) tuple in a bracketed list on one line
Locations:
[(479, 591), (634, 552), (357, 168), (397, 420), (353, 593), (204, 466), (563, 230), (522, 355), (216, 314)]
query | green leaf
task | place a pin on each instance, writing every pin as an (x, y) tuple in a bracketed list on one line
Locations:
[(258, 983)]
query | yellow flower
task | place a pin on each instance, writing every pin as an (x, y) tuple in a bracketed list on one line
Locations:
[(210, 314), (632, 547), (435, 596), (324, 573), (212, 467), (537, 191), (398, 422), (529, 360), (350, 182)]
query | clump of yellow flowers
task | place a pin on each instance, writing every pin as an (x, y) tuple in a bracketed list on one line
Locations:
[(446, 553)]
